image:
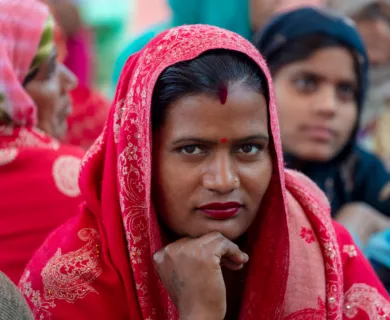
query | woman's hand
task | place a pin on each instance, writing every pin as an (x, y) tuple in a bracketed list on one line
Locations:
[(362, 219), (190, 270)]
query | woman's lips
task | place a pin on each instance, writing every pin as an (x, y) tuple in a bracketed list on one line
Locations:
[(320, 133), (221, 211)]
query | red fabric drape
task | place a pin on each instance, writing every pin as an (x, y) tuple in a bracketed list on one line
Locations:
[(99, 265)]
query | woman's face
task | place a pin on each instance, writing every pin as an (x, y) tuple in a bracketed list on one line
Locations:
[(374, 25), (212, 163), (261, 11), (49, 89), (317, 104)]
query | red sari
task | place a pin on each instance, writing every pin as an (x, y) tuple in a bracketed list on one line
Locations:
[(99, 265), (38, 177)]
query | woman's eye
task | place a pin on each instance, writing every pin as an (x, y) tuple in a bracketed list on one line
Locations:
[(305, 84), (191, 150), (346, 92), (250, 149)]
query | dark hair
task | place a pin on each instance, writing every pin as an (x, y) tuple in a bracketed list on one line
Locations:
[(205, 74), (302, 48)]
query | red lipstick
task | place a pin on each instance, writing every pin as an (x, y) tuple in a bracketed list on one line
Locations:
[(221, 211)]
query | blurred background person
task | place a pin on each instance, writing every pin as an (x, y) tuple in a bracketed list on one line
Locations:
[(38, 176), (75, 43), (320, 69), (373, 21)]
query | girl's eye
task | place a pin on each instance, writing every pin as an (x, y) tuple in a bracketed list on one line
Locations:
[(250, 149), (346, 92), (305, 84), (191, 150)]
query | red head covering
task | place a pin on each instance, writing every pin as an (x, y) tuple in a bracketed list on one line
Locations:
[(18, 47), (99, 265), (38, 177)]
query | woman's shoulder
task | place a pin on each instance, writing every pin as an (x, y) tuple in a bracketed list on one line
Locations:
[(362, 288), (366, 159), (306, 188), (65, 276)]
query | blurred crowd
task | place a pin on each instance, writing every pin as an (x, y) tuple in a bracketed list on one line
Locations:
[(57, 86)]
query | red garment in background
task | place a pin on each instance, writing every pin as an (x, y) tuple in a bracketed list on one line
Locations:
[(86, 122), (38, 176), (39, 192), (90, 107), (99, 264)]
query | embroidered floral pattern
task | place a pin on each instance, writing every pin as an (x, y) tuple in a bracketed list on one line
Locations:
[(66, 171), (95, 148), (319, 210), (307, 235), (66, 276), (23, 137), (8, 155), (350, 250), (368, 299)]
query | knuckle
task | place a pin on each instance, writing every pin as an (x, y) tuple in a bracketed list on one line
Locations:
[(158, 258)]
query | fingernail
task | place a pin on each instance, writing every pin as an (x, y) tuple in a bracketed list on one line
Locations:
[(245, 256)]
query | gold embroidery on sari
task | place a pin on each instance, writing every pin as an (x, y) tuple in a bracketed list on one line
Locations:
[(8, 155), (66, 171), (67, 276), (363, 297)]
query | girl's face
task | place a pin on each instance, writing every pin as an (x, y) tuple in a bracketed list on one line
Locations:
[(212, 163), (316, 99)]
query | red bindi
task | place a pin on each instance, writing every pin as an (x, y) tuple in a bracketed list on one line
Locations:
[(223, 140), (223, 93)]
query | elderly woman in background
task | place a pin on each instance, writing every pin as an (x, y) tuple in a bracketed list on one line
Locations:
[(89, 106), (38, 175)]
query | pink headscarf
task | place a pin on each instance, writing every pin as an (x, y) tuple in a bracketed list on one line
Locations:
[(18, 47)]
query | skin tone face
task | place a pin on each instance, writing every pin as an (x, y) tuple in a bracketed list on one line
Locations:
[(49, 89), (317, 105), (206, 153), (375, 30), (261, 11)]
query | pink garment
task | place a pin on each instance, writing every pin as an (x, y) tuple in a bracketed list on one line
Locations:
[(17, 50), (79, 57)]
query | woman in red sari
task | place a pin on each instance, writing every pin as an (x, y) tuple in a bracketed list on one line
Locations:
[(188, 211), (38, 176)]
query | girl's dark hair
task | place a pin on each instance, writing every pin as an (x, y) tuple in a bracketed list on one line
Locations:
[(302, 48), (205, 74)]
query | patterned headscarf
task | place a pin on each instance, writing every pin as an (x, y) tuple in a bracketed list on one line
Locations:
[(26, 40)]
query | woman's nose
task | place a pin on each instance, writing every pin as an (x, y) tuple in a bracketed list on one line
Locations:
[(68, 79), (221, 176)]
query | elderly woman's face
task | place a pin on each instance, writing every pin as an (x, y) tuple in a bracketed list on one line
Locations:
[(49, 89), (212, 163)]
